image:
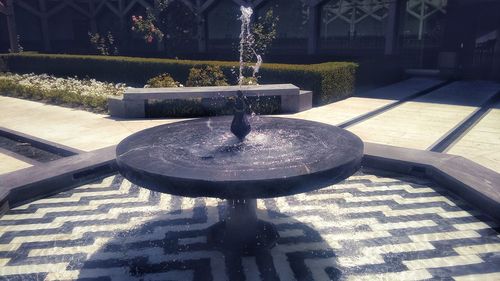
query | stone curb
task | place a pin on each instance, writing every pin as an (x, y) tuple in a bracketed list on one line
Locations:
[(474, 183), (133, 102), (39, 181), (42, 144), (19, 157)]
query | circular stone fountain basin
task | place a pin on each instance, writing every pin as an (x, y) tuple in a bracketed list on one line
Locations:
[(202, 158)]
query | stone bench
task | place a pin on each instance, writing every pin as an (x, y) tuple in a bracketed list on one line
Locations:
[(134, 100)]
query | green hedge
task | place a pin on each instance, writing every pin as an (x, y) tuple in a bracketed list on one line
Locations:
[(329, 81), (210, 107)]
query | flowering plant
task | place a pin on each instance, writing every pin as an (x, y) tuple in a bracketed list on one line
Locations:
[(90, 93), (84, 87), (146, 27)]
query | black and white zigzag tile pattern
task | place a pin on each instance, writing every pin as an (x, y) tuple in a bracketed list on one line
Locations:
[(366, 228)]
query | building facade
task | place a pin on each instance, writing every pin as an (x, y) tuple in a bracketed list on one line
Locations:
[(417, 31)]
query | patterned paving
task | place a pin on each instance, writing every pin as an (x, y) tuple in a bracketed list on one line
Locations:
[(366, 228)]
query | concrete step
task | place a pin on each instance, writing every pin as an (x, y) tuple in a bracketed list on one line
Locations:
[(413, 72)]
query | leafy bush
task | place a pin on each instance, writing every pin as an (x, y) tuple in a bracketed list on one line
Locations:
[(162, 81), (329, 81), (174, 108), (206, 75), (103, 45), (265, 31), (249, 81)]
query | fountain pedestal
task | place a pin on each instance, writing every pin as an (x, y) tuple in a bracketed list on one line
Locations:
[(241, 230)]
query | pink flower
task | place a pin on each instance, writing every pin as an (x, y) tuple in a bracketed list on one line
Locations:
[(150, 39)]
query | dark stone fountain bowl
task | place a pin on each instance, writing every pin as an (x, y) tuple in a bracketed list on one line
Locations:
[(202, 158)]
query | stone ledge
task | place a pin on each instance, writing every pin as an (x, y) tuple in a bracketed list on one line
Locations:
[(42, 144), (474, 183), (39, 181), (133, 102), (209, 92), (296, 103)]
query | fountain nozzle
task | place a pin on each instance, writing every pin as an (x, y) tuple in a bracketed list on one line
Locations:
[(240, 126)]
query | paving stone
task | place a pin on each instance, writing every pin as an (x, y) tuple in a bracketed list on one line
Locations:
[(9, 164), (113, 230), (75, 128), (421, 122), (482, 143), (344, 110)]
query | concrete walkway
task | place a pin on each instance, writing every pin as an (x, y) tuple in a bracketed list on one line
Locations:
[(482, 143), (348, 109), (421, 122), (11, 164), (414, 124), (71, 127)]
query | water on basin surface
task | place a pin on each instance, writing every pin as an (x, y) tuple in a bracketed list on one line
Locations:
[(265, 146), (206, 149)]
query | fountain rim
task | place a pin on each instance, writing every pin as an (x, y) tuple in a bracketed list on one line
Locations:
[(286, 172), (171, 182)]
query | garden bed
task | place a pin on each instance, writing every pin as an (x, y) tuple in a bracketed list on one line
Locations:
[(88, 94), (27, 150), (91, 95), (329, 82)]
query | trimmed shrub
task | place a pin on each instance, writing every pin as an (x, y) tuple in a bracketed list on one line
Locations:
[(174, 108), (206, 75), (249, 81), (210, 107), (329, 81), (162, 81)]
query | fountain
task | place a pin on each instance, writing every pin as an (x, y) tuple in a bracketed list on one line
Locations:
[(240, 161), (202, 158)]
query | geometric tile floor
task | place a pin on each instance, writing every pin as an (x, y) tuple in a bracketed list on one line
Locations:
[(366, 228)]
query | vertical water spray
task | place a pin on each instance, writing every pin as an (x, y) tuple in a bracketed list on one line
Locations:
[(240, 126), (246, 43)]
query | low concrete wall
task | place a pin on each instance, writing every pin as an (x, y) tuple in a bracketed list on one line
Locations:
[(40, 181), (469, 180), (474, 183), (134, 100)]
